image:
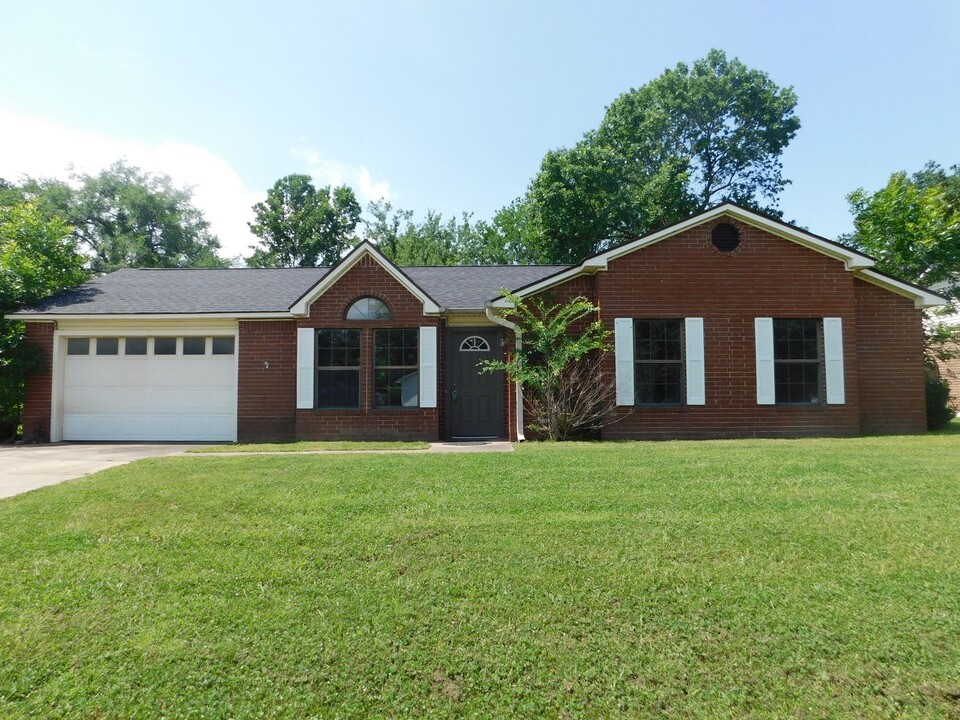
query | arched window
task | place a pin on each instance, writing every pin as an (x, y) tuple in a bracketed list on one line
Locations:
[(368, 308), (474, 343)]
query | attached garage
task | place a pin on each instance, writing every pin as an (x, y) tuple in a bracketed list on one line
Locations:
[(150, 388)]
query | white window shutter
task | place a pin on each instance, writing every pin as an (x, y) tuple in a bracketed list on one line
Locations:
[(623, 351), (766, 387), (696, 380), (428, 367), (833, 357), (305, 366)]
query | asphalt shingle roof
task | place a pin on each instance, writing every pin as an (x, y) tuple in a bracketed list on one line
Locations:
[(247, 290)]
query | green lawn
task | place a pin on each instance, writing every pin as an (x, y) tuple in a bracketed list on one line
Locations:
[(311, 446), (716, 579)]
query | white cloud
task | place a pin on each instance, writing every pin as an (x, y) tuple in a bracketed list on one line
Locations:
[(325, 171), (40, 148)]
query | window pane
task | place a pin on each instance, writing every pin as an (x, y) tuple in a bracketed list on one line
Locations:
[(796, 339), (396, 348), (368, 309), (396, 388), (108, 346), (135, 346), (657, 339), (659, 383), (223, 345), (194, 346), (338, 348), (338, 388), (797, 382), (165, 346), (78, 346)]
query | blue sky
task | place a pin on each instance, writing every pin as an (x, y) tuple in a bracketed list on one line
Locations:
[(450, 105)]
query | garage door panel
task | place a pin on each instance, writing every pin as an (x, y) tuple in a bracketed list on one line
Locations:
[(149, 397)]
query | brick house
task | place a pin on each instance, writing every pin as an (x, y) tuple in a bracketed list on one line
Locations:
[(728, 324)]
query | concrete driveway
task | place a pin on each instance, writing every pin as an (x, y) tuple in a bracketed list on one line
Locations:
[(27, 467)]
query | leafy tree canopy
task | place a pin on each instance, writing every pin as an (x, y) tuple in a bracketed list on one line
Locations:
[(38, 257), (684, 141), (435, 240), (126, 217), (912, 226), (301, 226)]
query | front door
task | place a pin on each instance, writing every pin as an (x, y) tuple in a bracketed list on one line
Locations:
[(474, 398)]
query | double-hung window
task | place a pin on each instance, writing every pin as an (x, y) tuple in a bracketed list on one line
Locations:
[(338, 369), (658, 360), (797, 352), (396, 373)]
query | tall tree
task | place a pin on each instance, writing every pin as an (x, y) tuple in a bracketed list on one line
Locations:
[(301, 226), (434, 240), (684, 141), (126, 217), (912, 226), (38, 257)]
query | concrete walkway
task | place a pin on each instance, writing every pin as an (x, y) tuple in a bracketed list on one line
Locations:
[(26, 467), (437, 447)]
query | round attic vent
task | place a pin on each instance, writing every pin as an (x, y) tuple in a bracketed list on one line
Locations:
[(725, 237)]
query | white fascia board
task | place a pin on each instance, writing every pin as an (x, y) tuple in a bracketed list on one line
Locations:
[(921, 298), (301, 308), (504, 303), (852, 260)]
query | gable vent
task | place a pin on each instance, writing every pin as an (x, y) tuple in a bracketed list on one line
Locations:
[(725, 237)]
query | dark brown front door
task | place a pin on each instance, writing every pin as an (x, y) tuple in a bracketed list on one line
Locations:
[(474, 399)]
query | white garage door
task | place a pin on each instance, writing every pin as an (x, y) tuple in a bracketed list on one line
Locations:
[(164, 388)]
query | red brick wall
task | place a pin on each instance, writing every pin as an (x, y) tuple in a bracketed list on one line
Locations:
[(267, 380), (36, 406), (368, 278), (767, 276), (890, 348)]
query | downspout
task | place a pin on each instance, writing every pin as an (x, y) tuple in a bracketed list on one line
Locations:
[(519, 344)]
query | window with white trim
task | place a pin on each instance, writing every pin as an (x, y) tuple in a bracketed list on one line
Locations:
[(474, 343), (369, 308)]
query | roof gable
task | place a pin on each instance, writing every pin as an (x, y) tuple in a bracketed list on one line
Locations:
[(853, 260), (302, 306)]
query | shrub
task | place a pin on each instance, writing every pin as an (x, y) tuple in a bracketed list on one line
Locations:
[(939, 409)]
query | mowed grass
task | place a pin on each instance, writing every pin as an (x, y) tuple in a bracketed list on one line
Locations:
[(813, 578), (312, 446)]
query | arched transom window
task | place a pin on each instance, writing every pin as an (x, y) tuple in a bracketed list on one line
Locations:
[(368, 308), (474, 343)]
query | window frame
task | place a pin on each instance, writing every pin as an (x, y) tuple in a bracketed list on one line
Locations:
[(682, 362), (414, 368), (318, 368), (819, 362)]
